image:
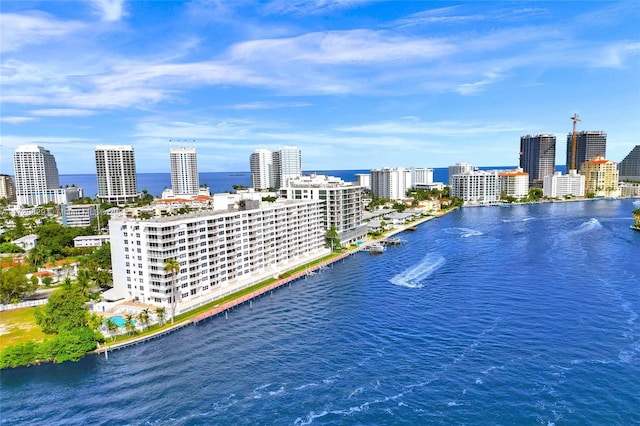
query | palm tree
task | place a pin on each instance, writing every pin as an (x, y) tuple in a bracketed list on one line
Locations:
[(112, 327), (143, 316), (636, 217), (173, 267), (129, 325), (160, 312)]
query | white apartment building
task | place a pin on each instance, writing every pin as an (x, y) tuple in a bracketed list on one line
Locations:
[(391, 183), (184, 171), (421, 176), (79, 215), (91, 240), (342, 203), (363, 180), (514, 183), (116, 173), (36, 178), (262, 169), (476, 187), (288, 164), (559, 185), (460, 168), (218, 252)]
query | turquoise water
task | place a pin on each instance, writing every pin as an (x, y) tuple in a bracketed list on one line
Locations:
[(521, 315), (119, 320)]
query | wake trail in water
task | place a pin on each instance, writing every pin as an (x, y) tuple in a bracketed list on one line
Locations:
[(592, 224), (413, 276)]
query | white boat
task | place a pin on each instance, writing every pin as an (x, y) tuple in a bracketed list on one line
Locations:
[(376, 248)]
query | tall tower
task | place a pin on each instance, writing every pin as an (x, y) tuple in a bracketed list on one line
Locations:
[(36, 175), (538, 157), (184, 171), (459, 168), (262, 172), (630, 166), (7, 188), (589, 144), (116, 172), (287, 163)]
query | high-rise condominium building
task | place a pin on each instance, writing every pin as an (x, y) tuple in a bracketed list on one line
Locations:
[(7, 188), (514, 183), (116, 172), (630, 166), (287, 162), (460, 168), (342, 203), (589, 144), (261, 166), (37, 180), (421, 176), (390, 183), (273, 169), (184, 171), (600, 177), (538, 157)]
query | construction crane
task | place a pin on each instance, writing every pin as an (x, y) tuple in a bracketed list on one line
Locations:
[(575, 119)]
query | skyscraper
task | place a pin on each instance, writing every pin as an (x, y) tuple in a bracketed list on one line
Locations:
[(7, 188), (630, 166), (184, 171), (36, 175), (589, 144), (261, 166), (287, 163), (390, 183), (538, 157), (116, 172)]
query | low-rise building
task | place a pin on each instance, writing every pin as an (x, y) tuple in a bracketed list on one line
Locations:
[(79, 215), (27, 242), (560, 186), (514, 183), (218, 252), (91, 240)]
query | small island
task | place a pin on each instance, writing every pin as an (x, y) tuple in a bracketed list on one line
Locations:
[(636, 218)]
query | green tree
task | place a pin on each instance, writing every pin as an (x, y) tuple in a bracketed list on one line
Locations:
[(65, 310), (14, 285), (332, 238), (143, 317), (112, 327), (172, 266), (160, 313), (10, 248), (129, 324)]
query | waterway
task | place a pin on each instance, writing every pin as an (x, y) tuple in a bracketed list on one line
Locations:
[(496, 315)]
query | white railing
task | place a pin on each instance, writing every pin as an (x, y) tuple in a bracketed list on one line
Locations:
[(26, 304)]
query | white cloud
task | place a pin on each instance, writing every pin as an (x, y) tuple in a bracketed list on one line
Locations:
[(16, 119), (19, 30), (109, 10), (270, 105), (62, 112)]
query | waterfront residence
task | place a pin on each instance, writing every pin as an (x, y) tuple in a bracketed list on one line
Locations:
[(600, 177), (514, 183), (219, 252), (476, 187), (560, 186), (342, 203)]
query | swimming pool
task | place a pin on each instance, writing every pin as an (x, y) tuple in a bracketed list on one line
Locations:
[(119, 320)]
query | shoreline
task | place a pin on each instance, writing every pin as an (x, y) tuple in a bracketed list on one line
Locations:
[(224, 307)]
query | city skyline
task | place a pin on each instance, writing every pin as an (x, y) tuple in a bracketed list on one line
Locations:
[(353, 84)]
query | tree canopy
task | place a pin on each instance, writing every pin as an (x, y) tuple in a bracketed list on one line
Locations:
[(14, 285)]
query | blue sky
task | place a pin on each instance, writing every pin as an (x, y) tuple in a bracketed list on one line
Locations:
[(354, 84)]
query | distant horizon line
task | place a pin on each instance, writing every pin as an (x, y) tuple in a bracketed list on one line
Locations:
[(304, 171)]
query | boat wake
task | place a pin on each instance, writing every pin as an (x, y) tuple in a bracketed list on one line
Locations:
[(463, 232), (590, 225), (413, 276)]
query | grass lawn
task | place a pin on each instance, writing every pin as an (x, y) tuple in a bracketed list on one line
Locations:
[(19, 326)]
